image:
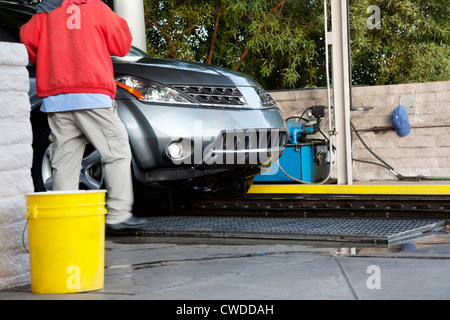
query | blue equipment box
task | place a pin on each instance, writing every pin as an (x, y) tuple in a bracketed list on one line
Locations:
[(307, 163)]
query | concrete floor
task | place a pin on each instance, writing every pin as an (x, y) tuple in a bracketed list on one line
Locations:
[(180, 269)]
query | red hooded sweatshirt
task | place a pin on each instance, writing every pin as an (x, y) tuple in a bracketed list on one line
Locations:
[(71, 48)]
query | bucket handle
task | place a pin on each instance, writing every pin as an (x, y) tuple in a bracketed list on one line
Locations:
[(23, 234), (32, 214)]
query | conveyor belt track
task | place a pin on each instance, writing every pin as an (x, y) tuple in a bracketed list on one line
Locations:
[(416, 206)]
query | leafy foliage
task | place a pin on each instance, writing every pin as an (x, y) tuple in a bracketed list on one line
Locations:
[(412, 44), (280, 43), (272, 41)]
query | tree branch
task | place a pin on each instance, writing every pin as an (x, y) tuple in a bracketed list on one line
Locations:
[(241, 59), (216, 26), (172, 50), (163, 33)]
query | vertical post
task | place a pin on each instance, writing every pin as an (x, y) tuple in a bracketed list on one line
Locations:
[(133, 12), (341, 89)]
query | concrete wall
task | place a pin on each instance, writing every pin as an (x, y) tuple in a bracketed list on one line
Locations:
[(425, 151), (15, 164)]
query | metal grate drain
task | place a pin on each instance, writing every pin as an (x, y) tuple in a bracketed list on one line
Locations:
[(324, 229)]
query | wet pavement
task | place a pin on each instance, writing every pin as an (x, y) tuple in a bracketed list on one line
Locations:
[(192, 268)]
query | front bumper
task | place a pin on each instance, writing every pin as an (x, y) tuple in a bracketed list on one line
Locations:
[(214, 139)]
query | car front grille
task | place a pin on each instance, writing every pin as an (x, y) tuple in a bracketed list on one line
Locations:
[(247, 140), (249, 147), (214, 96)]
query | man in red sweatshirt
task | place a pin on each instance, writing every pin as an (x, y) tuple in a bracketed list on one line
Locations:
[(71, 42)]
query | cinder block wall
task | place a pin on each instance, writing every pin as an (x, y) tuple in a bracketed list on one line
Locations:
[(16, 158), (425, 151)]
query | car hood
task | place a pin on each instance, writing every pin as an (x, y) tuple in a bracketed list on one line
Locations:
[(176, 72)]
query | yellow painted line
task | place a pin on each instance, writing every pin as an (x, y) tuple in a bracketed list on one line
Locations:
[(353, 189)]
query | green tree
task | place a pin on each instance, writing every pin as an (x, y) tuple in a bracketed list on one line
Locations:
[(412, 44), (280, 43), (274, 42)]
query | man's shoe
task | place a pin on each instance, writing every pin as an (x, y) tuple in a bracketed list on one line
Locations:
[(133, 224)]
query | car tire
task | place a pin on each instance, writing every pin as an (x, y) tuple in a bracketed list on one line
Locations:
[(91, 172), (40, 146)]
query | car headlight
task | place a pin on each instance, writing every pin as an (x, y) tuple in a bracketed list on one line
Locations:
[(151, 91), (266, 98)]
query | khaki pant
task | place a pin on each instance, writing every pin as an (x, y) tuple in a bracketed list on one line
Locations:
[(106, 132)]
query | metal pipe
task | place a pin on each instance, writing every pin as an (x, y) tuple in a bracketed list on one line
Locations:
[(327, 64), (412, 127), (330, 127)]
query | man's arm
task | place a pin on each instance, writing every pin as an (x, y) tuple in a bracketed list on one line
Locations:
[(29, 36), (118, 35)]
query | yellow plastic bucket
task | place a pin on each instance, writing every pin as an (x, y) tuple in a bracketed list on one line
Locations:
[(66, 237)]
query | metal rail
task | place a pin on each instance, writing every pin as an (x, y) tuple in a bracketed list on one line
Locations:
[(316, 205)]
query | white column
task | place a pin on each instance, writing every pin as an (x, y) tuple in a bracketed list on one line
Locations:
[(17, 157), (133, 12), (341, 89)]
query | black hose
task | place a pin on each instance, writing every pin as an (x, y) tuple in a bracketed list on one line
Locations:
[(385, 164), (299, 117), (370, 150), (371, 162)]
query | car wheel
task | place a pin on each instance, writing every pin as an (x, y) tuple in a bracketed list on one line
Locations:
[(91, 170)]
